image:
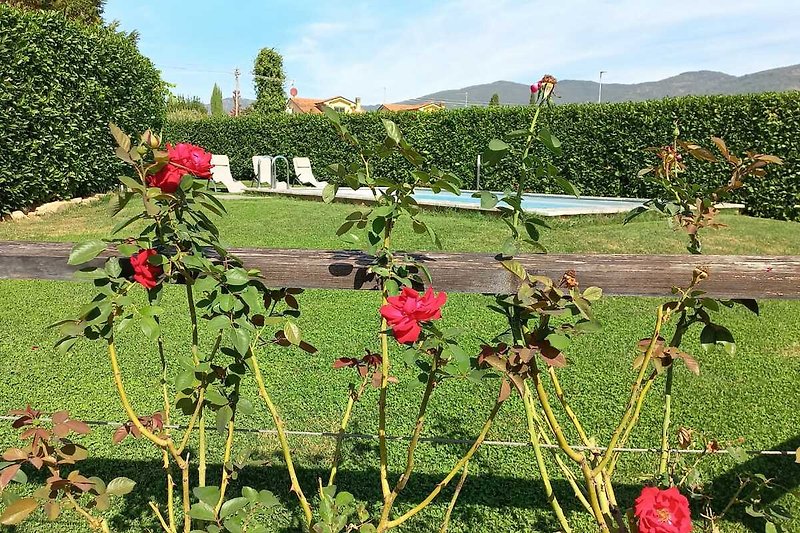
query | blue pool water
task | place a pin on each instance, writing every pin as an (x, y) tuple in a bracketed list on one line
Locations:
[(547, 204)]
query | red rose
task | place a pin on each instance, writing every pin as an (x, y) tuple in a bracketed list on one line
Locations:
[(663, 511), (535, 88), (405, 311), (144, 272), (192, 159), (168, 179), (184, 158)]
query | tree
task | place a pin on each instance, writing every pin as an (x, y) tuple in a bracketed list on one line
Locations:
[(216, 102), (495, 100), (86, 11), (268, 77)]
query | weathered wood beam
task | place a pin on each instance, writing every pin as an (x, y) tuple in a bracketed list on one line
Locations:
[(731, 276)]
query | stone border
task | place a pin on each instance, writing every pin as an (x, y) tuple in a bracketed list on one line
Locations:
[(53, 207)]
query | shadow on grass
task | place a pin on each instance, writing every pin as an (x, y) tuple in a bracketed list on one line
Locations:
[(484, 489)]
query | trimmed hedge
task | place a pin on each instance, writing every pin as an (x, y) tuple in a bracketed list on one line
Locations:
[(602, 144), (61, 82)]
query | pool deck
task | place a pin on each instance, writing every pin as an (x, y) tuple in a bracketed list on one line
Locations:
[(345, 194)]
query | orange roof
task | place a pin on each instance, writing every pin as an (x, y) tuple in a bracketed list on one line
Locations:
[(312, 105), (408, 107), (306, 105)]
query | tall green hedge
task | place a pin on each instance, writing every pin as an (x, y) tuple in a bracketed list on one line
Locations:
[(61, 82), (602, 144)]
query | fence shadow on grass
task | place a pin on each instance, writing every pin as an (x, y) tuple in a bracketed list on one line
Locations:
[(483, 489)]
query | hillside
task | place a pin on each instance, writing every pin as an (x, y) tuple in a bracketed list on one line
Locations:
[(574, 91)]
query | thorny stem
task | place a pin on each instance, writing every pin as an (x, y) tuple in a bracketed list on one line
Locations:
[(594, 500), (164, 444), (354, 396), (528, 142), (567, 409), (452, 504), (279, 427), (635, 394), (386, 490), (160, 517), (384, 526), (412, 446), (226, 458), (533, 430), (94, 522), (662, 466), (647, 384), (677, 337)]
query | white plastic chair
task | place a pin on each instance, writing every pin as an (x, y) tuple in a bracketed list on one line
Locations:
[(262, 170), (221, 173), (302, 169)]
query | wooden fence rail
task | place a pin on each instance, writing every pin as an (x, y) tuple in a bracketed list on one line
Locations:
[(731, 276)]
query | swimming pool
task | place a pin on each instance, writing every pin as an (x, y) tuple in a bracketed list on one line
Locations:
[(542, 204)]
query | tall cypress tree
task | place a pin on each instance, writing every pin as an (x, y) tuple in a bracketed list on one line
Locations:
[(268, 77), (216, 102)]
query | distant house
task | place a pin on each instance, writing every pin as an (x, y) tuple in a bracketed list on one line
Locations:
[(425, 106), (341, 104)]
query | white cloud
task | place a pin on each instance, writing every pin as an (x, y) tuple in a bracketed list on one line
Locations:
[(465, 42)]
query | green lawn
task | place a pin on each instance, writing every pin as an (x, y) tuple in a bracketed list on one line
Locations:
[(752, 395)]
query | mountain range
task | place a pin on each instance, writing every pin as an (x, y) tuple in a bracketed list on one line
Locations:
[(576, 91)]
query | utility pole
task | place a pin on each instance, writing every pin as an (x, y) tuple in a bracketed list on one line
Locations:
[(600, 89), (466, 98), (236, 93)]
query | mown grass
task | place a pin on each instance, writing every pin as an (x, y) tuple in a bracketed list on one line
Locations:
[(752, 394)]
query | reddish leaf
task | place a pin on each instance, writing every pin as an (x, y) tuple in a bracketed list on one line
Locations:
[(344, 362), (15, 454), (18, 511), (7, 474), (505, 391), (119, 435)]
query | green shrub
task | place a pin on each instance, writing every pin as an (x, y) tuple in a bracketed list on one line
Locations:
[(61, 82), (602, 144)]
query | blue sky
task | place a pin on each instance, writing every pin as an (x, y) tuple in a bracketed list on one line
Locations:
[(407, 48)]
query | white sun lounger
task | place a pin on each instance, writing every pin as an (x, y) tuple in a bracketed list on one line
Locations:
[(302, 169), (221, 173)]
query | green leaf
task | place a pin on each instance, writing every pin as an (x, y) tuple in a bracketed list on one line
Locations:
[(292, 332), (488, 199), (769, 527), (18, 511), (635, 212), (267, 499), (224, 415), (245, 406), (232, 506), (120, 486), (241, 340), (392, 131), (550, 141), (568, 187), (202, 511), (593, 293), (558, 341), (515, 267), (496, 145), (329, 192), (250, 493), (738, 454), (150, 327), (208, 494), (85, 251), (237, 277)]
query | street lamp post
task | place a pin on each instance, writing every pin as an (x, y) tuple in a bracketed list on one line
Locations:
[(600, 89)]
